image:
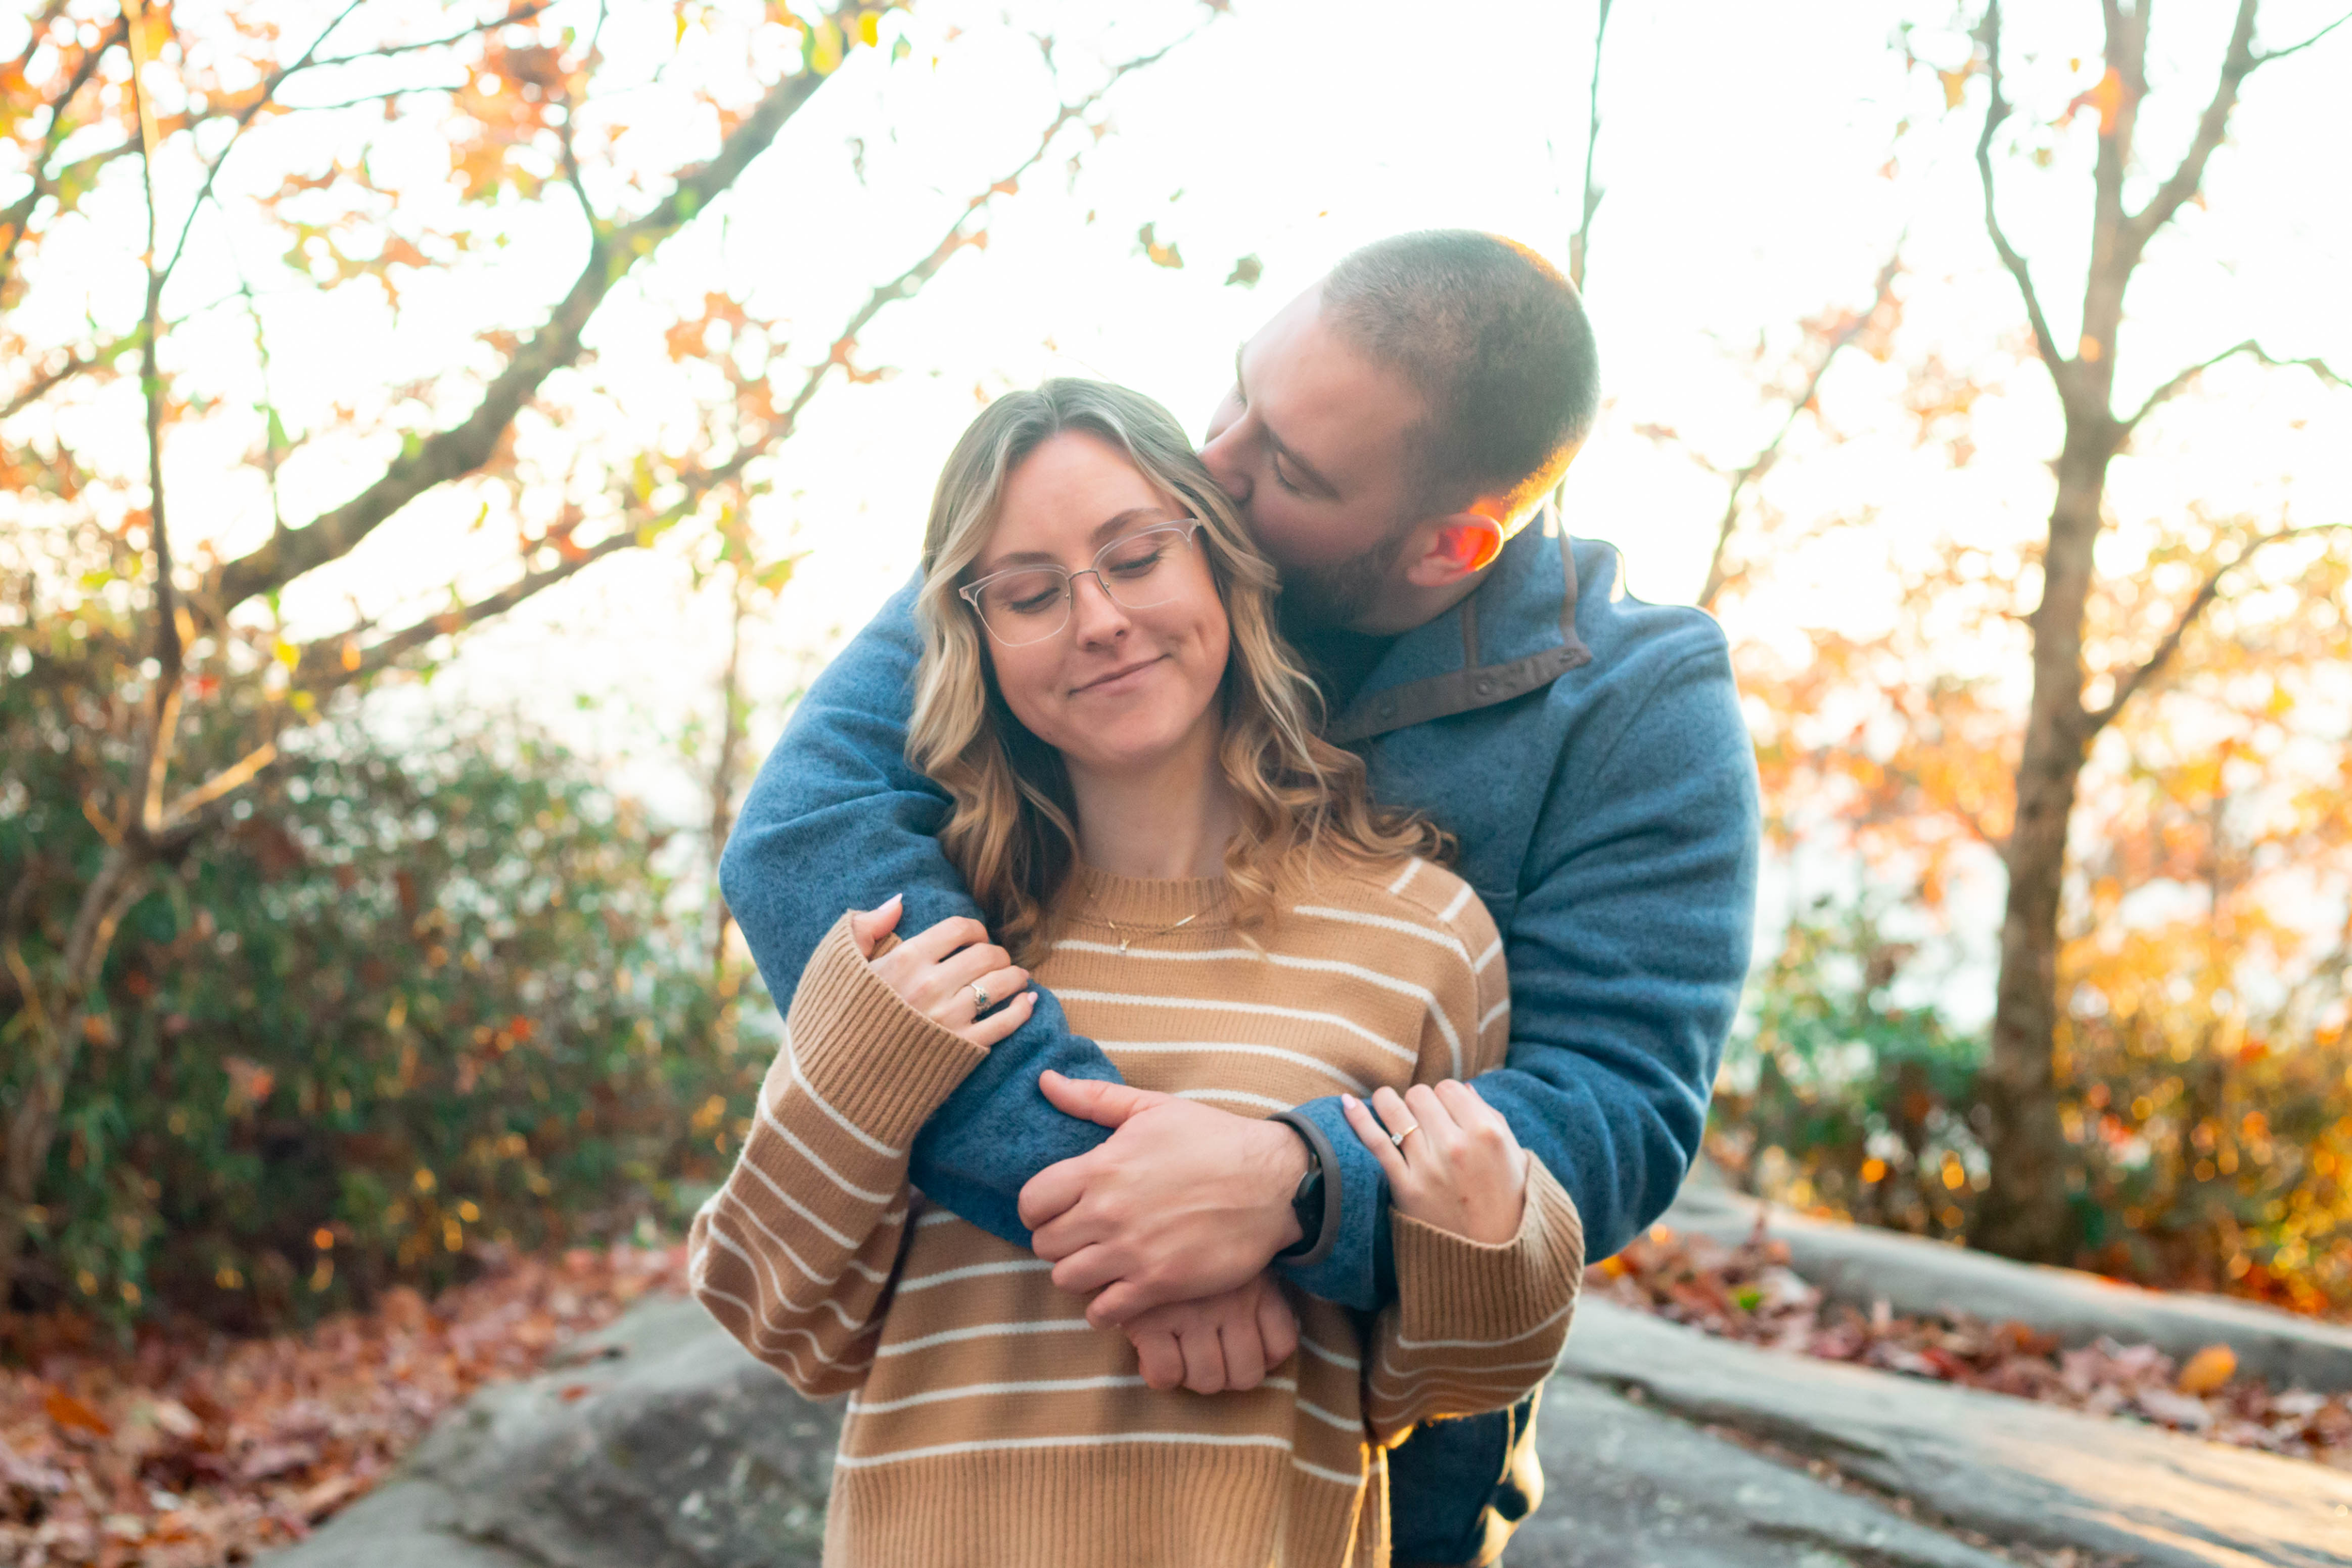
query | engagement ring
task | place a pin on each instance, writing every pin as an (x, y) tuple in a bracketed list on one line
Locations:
[(979, 1000)]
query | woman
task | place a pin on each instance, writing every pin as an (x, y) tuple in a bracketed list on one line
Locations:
[(1142, 808)]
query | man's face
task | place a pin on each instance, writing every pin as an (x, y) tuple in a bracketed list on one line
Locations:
[(1311, 444)]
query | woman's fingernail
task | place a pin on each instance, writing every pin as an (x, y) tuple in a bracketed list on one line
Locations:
[(887, 902), (1351, 1102)]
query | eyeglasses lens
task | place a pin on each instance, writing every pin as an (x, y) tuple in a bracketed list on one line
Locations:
[(1031, 604)]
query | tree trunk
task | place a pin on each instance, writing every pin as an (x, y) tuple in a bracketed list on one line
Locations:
[(61, 1019), (2026, 1212)]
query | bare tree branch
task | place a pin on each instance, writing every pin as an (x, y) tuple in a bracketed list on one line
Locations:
[(340, 660), (17, 218), (49, 381), (229, 778), (244, 117), (337, 661), (2154, 665), (1997, 110), (2269, 54), (1579, 244), (520, 14), (2235, 67), (908, 283), (170, 647), (1756, 468), (2179, 382), (450, 453)]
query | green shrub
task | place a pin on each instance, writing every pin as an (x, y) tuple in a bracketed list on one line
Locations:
[(398, 999), (1832, 1096)]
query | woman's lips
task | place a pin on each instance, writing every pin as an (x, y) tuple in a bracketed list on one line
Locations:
[(1125, 678)]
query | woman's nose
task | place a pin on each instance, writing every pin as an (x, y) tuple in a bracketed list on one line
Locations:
[(1093, 611)]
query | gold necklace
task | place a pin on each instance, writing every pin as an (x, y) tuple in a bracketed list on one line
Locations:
[(1147, 936)]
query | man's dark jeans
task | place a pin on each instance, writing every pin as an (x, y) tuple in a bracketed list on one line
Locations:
[(1502, 1478)]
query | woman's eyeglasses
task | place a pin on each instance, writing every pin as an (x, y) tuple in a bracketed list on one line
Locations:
[(1022, 604)]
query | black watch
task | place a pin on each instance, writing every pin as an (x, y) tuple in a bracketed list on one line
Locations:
[(1307, 1204)]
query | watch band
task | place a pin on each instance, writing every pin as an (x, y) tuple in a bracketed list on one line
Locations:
[(1316, 1199)]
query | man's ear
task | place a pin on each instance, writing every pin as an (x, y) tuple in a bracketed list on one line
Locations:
[(1459, 545)]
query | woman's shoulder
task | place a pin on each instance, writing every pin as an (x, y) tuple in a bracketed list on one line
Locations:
[(1415, 899)]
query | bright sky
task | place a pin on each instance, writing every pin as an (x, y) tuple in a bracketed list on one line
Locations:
[(1742, 147)]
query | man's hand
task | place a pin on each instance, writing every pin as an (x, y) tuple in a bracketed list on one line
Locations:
[(1183, 1201), (1217, 1343)]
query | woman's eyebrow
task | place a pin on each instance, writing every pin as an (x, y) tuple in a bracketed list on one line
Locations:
[(1104, 532)]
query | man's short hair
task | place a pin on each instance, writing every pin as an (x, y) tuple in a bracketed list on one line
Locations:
[(1496, 341)]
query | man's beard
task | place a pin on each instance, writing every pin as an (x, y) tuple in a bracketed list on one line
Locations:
[(1325, 598)]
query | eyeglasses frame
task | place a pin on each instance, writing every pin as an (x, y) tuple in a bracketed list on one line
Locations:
[(1189, 526)]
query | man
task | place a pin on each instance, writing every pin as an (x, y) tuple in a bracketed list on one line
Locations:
[(1387, 434)]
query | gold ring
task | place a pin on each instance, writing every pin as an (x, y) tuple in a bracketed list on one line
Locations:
[(1397, 1140), (979, 1000)]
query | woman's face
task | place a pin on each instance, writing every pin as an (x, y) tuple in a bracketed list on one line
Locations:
[(1116, 688)]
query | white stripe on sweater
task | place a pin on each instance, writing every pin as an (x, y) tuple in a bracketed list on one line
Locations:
[(1406, 876), (982, 1331), (728, 1195), (1422, 994), (792, 1058), (1331, 1355), (1498, 1010), (858, 1407), (974, 1271), (1446, 939), (837, 1237), (1329, 1419), (1494, 951), (818, 1160), (1260, 1101), (991, 1445), (770, 1279), (1170, 1048), (1403, 1343), (1264, 1010)]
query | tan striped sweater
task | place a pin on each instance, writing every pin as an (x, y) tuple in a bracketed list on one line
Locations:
[(988, 1424)]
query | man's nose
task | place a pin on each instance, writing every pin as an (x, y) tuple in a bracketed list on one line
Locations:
[(1223, 458)]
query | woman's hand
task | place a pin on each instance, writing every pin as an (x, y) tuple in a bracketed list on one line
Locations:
[(1219, 1344), (1457, 1168), (935, 973)]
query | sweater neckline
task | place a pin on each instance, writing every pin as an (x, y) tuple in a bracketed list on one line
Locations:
[(1149, 903)]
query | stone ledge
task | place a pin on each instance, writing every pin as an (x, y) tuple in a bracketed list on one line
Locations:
[(2009, 1469), (1859, 1265)]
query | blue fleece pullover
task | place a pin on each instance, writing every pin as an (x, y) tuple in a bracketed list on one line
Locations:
[(1585, 748)]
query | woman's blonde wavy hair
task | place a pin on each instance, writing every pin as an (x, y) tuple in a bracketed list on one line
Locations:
[(1010, 831)]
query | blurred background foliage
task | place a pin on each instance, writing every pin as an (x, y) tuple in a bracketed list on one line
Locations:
[(416, 991), (2210, 1150)]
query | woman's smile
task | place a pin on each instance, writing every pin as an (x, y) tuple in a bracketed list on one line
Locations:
[(1120, 681)]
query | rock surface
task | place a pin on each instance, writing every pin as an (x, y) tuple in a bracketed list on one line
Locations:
[(658, 1443), (2021, 1473), (1859, 1265)]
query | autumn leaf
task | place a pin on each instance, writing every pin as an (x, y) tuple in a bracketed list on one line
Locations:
[(2104, 95), (68, 1411), (1161, 255), (2207, 1370), (1245, 273)]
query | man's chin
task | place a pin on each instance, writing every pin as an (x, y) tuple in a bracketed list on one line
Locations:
[(1334, 599)]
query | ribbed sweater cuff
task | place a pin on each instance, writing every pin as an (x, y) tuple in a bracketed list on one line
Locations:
[(1473, 1290), (873, 1059)]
